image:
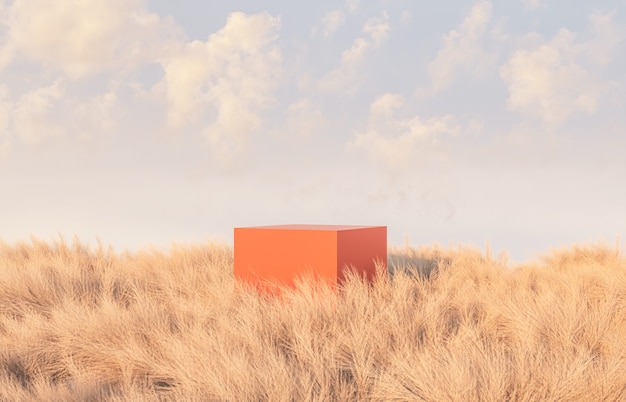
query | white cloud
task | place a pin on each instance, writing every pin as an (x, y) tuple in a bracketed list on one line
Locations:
[(406, 17), (542, 83), (51, 113), (6, 56), (330, 22), (552, 80), (378, 28), (6, 53), (386, 104), (344, 77), (94, 117), (82, 38), (394, 142), (233, 74), (184, 82), (217, 87), (36, 115), (533, 4), (352, 5), (69, 40), (335, 19), (462, 49), (304, 120), (606, 36), (356, 52)]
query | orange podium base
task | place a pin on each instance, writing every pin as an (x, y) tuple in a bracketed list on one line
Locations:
[(270, 257)]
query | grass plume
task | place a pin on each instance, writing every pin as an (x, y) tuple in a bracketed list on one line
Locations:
[(80, 323)]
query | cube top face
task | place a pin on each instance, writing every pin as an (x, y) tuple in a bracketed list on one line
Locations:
[(334, 228), (281, 253)]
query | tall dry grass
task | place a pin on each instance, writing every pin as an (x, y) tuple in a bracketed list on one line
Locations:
[(80, 323)]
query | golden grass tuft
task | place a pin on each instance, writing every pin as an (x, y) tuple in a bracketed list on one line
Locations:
[(80, 323)]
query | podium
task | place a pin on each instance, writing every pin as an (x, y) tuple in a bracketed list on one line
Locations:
[(271, 257)]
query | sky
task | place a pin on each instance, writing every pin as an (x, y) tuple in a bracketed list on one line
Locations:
[(459, 123)]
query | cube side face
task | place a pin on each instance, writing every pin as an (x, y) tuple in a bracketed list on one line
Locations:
[(271, 258), (361, 248)]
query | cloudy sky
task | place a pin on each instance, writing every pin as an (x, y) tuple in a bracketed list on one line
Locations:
[(458, 123)]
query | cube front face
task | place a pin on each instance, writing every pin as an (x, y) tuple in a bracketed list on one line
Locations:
[(274, 256), (267, 255)]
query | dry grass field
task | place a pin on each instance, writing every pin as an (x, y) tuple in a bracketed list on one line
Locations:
[(82, 323)]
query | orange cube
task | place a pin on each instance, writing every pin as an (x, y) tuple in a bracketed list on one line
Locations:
[(274, 256)]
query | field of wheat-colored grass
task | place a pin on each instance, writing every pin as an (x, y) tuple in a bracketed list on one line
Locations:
[(82, 323)]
